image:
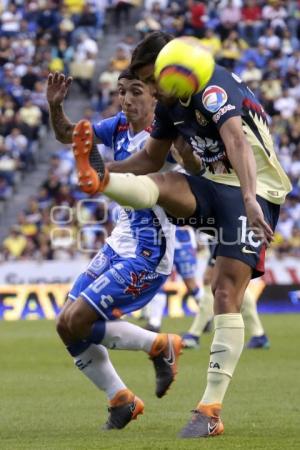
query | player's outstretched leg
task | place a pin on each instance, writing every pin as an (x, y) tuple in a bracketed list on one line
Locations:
[(164, 354), (91, 171)]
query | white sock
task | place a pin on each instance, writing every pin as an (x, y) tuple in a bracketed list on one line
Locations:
[(225, 352), (250, 315), (205, 313), (156, 309), (198, 295), (95, 364), (126, 336)]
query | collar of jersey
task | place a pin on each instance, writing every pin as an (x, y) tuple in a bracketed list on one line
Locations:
[(131, 137)]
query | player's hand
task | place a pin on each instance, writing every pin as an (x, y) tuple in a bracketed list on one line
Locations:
[(186, 156), (257, 223), (57, 88)]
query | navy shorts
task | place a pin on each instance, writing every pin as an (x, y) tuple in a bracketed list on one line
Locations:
[(114, 286), (220, 212)]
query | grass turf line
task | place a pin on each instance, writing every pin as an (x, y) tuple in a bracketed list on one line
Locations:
[(48, 404)]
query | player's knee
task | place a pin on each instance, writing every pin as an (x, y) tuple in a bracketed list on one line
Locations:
[(190, 284), (61, 326), (76, 323), (224, 299)]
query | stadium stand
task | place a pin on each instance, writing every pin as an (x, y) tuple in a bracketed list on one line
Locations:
[(258, 40)]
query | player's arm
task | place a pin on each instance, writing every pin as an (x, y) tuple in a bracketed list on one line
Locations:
[(150, 159), (241, 157), (185, 155), (57, 89)]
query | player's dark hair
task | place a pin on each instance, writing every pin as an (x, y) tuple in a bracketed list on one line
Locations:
[(128, 74), (147, 50)]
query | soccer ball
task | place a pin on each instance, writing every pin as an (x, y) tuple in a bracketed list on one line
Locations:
[(183, 67)]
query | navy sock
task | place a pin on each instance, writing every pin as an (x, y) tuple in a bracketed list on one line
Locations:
[(96, 336)]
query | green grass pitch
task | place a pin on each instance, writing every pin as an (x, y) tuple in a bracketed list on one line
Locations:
[(46, 403)]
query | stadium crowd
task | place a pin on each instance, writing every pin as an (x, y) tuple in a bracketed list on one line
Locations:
[(258, 40)]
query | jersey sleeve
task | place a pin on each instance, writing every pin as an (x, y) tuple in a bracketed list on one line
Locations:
[(223, 98), (105, 129), (163, 127)]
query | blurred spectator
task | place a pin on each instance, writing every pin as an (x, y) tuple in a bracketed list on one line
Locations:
[(14, 244), (52, 184), (275, 13), (10, 20), (86, 22), (38, 99), (270, 41), (64, 53), (120, 59), (9, 163), (122, 12), (5, 189), (251, 23), (17, 144), (31, 118), (251, 74), (197, 14), (230, 16), (232, 48), (286, 105), (74, 7), (211, 41), (147, 24), (83, 66), (29, 79)]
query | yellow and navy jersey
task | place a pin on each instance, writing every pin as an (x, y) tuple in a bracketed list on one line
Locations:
[(199, 119)]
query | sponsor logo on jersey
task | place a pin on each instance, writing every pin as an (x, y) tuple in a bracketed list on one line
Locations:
[(200, 118), (97, 265), (117, 276), (137, 284), (216, 117), (146, 252), (213, 98)]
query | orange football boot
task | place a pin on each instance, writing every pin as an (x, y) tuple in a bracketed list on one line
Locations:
[(205, 422), (91, 171), (165, 353), (123, 408)]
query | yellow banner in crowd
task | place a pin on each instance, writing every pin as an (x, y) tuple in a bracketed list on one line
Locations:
[(32, 301), (44, 301)]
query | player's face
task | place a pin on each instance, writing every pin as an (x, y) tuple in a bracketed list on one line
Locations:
[(135, 99), (146, 74)]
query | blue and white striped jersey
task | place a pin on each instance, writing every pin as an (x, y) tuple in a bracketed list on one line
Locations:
[(146, 233)]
